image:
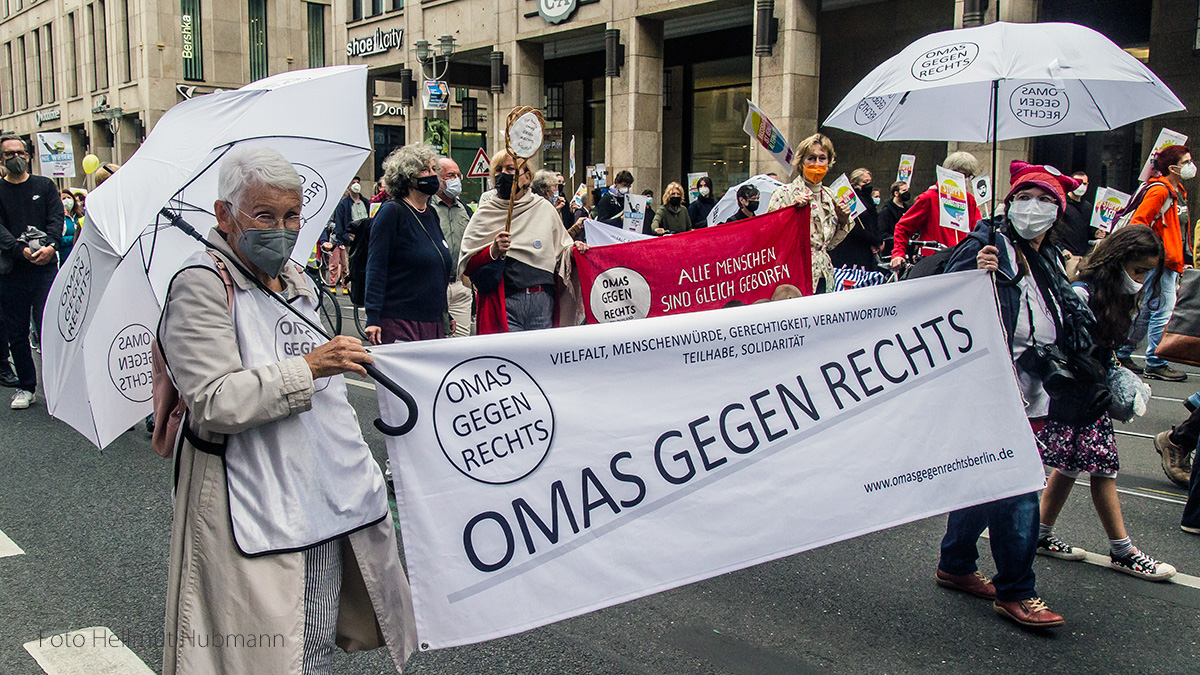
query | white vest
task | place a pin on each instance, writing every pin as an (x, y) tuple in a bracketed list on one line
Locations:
[(307, 478)]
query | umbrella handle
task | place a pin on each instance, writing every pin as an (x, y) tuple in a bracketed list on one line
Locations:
[(376, 374)]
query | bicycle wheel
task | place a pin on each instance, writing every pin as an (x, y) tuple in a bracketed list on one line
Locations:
[(360, 321), (329, 311), (323, 268)]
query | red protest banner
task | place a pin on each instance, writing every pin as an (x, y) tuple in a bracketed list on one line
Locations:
[(697, 270)]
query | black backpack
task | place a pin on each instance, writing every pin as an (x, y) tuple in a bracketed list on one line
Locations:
[(356, 255)]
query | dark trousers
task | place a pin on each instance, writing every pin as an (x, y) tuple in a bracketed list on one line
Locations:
[(1012, 524), (23, 295), (1191, 510)]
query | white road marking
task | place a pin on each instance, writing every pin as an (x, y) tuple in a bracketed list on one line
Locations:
[(1134, 433), (1166, 398), (8, 547), (1140, 493), (361, 385), (89, 651), (1103, 561)]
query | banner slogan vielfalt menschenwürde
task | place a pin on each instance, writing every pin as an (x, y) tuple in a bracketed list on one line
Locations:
[(556, 472)]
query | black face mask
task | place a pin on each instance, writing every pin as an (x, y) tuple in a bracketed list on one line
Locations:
[(906, 197), (428, 184), (865, 188), (504, 185), (752, 206), (16, 165), (676, 201)]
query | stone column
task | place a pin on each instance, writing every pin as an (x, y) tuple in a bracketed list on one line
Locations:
[(526, 86), (786, 83), (633, 115)]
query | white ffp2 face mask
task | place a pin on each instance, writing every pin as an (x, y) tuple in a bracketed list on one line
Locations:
[(1032, 217), (1188, 171), (1130, 285)]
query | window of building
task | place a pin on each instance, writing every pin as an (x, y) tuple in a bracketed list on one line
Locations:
[(99, 22), (258, 39), (20, 80), (4, 8), (7, 85), (316, 35), (470, 114), (356, 10), (376, 7), (91, 22), (124, 59), (593, 121), (72, 58), (192, 36), (388, 137), (397, 4), (719, 145), (48, 64), (1196, 44), (554, 101), (35, 69)]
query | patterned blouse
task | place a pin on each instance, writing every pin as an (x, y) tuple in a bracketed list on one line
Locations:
[(825, 230)]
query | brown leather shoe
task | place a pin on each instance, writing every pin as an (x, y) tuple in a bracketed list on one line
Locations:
[(1031, 613), (1176, 463), (974, 583)]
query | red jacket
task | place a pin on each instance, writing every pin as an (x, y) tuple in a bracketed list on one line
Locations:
[(922, 221), (491, 314)]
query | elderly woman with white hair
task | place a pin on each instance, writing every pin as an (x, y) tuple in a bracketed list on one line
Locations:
[(409, 265), (923, 221), (282, 547)]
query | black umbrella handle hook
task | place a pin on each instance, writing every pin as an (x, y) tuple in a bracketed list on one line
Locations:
[(386, 382)]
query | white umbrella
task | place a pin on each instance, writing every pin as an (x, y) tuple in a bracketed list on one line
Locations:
[(1021, 79), (1003, 81), (727, 205), (104, 306)]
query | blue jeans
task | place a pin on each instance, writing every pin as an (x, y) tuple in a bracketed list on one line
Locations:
[(1013, 526), (1152, 317)]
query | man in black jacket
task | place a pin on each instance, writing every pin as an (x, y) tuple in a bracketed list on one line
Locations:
[(31, 224), (1074, 233)]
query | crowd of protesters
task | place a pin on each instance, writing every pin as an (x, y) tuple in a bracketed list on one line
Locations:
[(437, 267)]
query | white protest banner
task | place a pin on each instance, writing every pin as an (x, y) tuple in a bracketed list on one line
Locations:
[(1166, 137), (905, 172), (56, 154), (602, 234), (952, 200), (634, 213), (727, 205), (693, 181), (767, 135), (844, 194), (1108, 202), (530, 491)]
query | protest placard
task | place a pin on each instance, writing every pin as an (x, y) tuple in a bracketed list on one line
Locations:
[(56, 154), (952, 200), (1166, 137), (905, 172), (767, 135), (845, 195), (1108, 202), (633, 214)]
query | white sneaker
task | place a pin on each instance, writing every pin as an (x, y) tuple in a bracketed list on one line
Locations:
[(22, 399)]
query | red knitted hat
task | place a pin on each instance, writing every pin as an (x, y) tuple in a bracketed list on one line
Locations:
[(1050, 179)]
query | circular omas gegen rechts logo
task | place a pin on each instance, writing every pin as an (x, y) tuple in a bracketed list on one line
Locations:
[(129, 362), (76, 293), (619, 294), (942, 62), (1039, 104), (869, 109), (314, 190), (493, 421), (293, 338)]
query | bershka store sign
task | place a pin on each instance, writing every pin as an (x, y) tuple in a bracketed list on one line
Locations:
[(379, 43), (556, 472)]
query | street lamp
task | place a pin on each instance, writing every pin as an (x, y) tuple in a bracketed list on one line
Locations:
[(427, 55)]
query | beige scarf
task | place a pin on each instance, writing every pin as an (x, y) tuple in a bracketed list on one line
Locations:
[(538, 240)]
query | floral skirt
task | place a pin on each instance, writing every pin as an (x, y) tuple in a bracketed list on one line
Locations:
[(1088, 449)]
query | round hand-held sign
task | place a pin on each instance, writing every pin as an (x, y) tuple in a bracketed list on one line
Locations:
[(525, 133)]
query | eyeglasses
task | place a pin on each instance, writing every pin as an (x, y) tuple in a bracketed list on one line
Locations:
[(9, 154), (266, 220)]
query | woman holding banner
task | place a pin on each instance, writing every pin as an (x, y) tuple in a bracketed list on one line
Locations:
[(1044, 320), (830, 222), (671, 217), (523, 272)]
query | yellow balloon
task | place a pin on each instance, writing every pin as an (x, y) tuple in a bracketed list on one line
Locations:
[(90, 164)]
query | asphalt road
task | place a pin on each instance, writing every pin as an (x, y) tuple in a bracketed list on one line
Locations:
[(94, 528)]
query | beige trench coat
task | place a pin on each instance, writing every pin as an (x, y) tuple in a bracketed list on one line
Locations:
[(227, 613)]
